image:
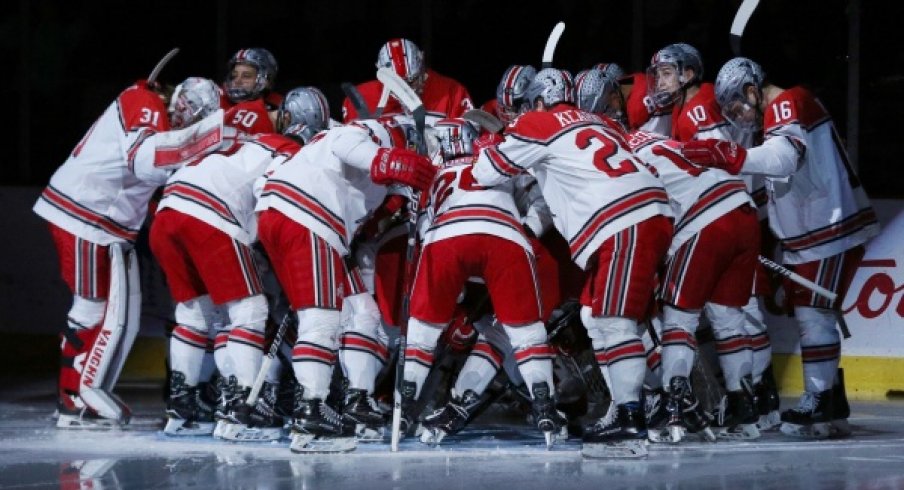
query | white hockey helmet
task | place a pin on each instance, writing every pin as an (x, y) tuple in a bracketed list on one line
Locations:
[(262, 61), (456, 137), (303, 113), (612, 70), (594, 91), (666, 76), (511, 91), (552, 86), (196, 98), (406, 59), (731, 85)]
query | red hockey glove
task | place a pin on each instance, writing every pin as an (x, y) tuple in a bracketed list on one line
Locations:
[(726, 155), (398, 165), (486, 140)]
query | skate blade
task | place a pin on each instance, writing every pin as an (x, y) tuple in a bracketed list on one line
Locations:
[(820, 430), (662, 436), (707, 435), (243, 433), (369, 434), (432, 437), (740, 432), (75, 422), (769, 421), (550, 437), (219, 427), (630, 449), (308, 444), (178, 427)]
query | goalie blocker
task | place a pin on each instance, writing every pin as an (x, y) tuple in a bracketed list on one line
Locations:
[(98, 406)]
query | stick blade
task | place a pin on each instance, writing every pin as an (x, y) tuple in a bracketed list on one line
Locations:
[(484, 119), (551, 44)]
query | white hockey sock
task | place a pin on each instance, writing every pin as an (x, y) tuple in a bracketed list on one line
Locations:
[(820, 347), (362, 351), (679, 345), (732, 343), (422, 338), (246, 347), (315, 350), (480, 368), (624, 354), (532, 353), (187, 350)]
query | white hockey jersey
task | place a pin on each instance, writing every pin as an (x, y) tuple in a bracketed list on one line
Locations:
[(698, 195), (101, 192), (594, 186), (326, 186), (458, 206), (817, 207), (219, 189)]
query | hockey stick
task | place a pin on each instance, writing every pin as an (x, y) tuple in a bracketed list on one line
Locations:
[(406, 95), (160, 64), (812, 286), (739, 23), (357, 100), (551, 44), (271, 355), (484, 119)]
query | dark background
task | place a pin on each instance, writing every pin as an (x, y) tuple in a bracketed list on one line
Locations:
[(71, 59)]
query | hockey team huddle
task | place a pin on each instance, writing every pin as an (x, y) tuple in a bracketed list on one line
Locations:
[(574, 229)]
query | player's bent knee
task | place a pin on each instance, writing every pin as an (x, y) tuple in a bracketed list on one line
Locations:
[(250, 312), (526, 335)]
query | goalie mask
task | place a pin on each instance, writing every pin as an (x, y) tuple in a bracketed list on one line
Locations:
[(597, 92), (455, 137), (303, 113), (406, 59), (194, 99), (240, 83), (667, 75), (740, 106), (552, 86), (510, 94)]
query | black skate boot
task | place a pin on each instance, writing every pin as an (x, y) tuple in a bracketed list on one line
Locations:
[(315, 422), (230, 397), (654, 402), (685, 413), (767, 401), (409, 418), (254, 423), (543, 410), (362, 411), (819, 415), (451, 418), (621, 433), (186, 413), (736, 416)]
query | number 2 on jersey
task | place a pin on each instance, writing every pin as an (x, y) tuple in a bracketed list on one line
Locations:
[(602, 156)]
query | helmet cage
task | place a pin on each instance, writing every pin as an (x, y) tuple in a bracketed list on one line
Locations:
[(265, 65), (730, 88), (197, 98)]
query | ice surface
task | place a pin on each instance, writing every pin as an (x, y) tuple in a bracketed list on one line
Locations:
[(510, 456)]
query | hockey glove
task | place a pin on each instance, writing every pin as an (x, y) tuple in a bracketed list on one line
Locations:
[(726, 155), (487, 140), (398, 165)]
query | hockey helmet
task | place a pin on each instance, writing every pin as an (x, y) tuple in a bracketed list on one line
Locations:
[(666, 76), (193, 100), (406, 59), (265, 65), (304, 111), (510, 94), (552, 86), (731, 93)]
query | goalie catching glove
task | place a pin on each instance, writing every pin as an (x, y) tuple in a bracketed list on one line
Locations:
[(726, 155), (401, 166)]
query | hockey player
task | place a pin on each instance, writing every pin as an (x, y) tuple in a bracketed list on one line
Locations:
[(616, 217), (202, 237), (473, 231), (442, 96), (98, 199), (308, 211), (248, 93), (817, 209), (509, 101)]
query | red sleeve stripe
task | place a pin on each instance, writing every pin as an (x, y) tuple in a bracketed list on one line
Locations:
[(164, 156), (711, 197), (848, 226), (503, 164), (201, 197), (626, 205)]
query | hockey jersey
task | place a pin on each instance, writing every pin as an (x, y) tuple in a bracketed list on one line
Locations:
[(641, 111), (250, 117), (698, 195), (456, 207), (101, 192), (593, 184), (326, 186), (219, 189), (443, 97), (817, 207)]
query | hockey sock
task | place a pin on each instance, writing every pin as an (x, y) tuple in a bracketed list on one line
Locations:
[(362, 351), (315, 350), (187, 350), (624, 354), (532, 353), (480, 368), (820, 347), (422, 339)]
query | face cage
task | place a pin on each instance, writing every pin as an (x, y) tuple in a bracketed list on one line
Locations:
[(238, 94), (742, 115), (184, 114), (664, 98)]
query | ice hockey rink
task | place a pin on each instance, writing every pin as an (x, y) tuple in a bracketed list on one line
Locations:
[(493, 454)]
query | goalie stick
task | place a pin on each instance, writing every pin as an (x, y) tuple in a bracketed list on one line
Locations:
[(160, 64), (739, 23), (812, 286), (357, 100), (551, 44), (484, 119), (392, 83)]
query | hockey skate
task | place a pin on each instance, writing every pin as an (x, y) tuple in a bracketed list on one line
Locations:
[(408, 423), (621, 433), (186, 413), (73, 413), (736, 416), (654, 407), (767, 402), (452, 418), (362, 411), (256, 423), (317, 428), (227, 388), (685, 415), (820, 415), (543, 410)]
